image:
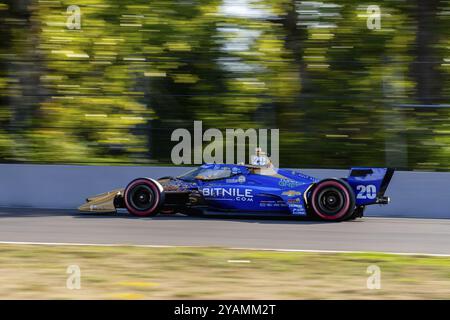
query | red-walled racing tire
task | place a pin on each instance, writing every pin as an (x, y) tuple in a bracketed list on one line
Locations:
[(332, 200), (143, 197)]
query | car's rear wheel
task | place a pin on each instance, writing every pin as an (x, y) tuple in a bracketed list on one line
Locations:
[(332, 200), (143, 197)]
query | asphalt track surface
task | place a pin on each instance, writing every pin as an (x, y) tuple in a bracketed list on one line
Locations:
[(396, 235)]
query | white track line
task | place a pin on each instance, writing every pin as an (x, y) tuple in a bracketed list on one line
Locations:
[(239, 261), (232, 248), (347, 251)]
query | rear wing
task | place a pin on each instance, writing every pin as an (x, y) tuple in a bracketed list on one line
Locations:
[(370, 184)]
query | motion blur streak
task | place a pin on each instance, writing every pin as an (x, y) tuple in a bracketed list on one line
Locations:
[(113, 90)]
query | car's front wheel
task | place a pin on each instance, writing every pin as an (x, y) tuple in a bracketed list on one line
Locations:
[(332, 200), (143, 197)]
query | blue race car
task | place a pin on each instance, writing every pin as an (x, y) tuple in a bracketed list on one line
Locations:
[(250, 190)]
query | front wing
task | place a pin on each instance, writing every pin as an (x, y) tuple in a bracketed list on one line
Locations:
[(104, 202)]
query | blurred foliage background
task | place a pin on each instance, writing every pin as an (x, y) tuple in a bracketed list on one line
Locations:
[(115, 89)]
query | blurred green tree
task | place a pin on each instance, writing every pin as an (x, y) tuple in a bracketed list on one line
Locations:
[(112, 91)]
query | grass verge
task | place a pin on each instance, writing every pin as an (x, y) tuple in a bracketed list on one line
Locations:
[(39, 272)]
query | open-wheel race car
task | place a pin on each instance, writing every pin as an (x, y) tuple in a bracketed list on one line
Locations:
[(250, 190)]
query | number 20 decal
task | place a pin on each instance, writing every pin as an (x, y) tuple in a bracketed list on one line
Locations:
[(366, 192)]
